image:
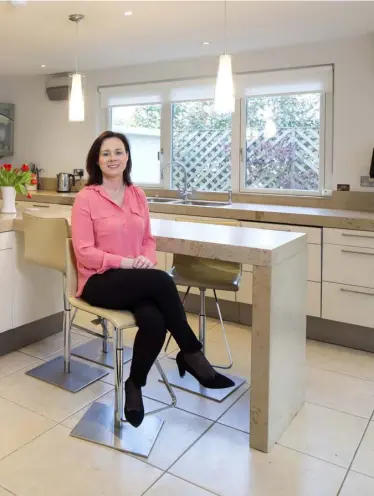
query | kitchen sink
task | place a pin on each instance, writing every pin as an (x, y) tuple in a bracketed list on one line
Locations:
[(156, 199), (201, 203)]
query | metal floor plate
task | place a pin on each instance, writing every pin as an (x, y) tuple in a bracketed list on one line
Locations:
[(97, 426), (190, 384), (81, 375)]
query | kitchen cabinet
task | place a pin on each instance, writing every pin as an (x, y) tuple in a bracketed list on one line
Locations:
[(6, 281), (314, 263), (348, 276)]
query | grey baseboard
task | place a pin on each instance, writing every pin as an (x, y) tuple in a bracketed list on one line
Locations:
[(29, 333), (328, 331)]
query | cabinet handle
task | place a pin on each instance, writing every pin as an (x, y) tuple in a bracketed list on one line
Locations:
[(357, 252), (356, 292), (349, 235)]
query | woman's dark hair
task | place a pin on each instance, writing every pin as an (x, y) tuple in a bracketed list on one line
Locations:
[(95, 175)]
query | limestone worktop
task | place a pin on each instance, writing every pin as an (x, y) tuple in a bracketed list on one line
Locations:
[(253, 246), (283, 214)]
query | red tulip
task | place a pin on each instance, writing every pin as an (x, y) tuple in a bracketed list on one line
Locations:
[(25, 168), (8, 167), (34, 181), (29, 196)]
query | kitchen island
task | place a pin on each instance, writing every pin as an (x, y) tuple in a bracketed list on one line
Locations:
[(279, 261)]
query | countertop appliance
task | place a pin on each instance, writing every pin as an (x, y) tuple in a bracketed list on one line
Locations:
[(64, 182)]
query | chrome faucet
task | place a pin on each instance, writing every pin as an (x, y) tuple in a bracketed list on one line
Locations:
[(183, 192)]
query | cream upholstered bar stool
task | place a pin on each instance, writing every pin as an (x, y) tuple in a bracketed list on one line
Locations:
[(206, 274), (103, 424), (45, 240)]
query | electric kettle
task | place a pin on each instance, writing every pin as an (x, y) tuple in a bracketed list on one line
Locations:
[(64, 182)]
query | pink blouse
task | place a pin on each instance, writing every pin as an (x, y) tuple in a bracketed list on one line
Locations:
[(103, 233)]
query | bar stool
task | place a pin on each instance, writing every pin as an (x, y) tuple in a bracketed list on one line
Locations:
[(204, 274), (45, 240), (103, 424)]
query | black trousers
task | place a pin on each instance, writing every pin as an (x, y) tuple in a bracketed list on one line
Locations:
[(152, 296)]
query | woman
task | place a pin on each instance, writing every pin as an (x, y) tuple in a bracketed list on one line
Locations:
[(116, 256)]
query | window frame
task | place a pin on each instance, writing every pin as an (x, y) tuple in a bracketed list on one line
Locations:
[(110, 123), (170, 145), (238, 146), (325, 154)]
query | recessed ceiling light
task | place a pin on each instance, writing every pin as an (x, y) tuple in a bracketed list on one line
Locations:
[(128, 13), (205, 42), (43, 66)]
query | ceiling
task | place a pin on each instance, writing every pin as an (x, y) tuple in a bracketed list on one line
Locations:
[(40, 33)]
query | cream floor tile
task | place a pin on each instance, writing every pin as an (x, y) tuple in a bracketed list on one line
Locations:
[(45, 399), (326, 434), (4, 492), (14, 361), (50, 345), (169, 485), (363, 462), (18, 426), (237, 335), (179, 432), (186, 401), (237, 416), (358, 485), (339, 359), (60, 465), (222, 462), (340, 392)]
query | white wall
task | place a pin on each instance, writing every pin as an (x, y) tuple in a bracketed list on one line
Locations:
[(44, 135)]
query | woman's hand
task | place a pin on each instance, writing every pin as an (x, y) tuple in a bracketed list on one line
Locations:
[(142, 263)]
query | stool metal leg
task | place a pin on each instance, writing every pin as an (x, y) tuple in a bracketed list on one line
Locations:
[(103, 424), (62, 371), (100, 350), (224, 336), (189, 383)]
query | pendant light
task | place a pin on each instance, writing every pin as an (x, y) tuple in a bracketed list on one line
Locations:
[(224, 101), (76, 100)]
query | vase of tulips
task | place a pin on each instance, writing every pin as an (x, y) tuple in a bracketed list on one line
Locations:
[(13, 181)]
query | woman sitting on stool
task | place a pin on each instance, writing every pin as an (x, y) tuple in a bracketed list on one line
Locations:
[(116, 255)]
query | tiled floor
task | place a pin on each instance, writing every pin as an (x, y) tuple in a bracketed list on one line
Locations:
[(203, 448)]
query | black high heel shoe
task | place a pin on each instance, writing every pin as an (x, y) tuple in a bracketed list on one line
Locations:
[(217, 381), (134, 416)]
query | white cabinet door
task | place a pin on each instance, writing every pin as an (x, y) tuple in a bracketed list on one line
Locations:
[(6, 289)]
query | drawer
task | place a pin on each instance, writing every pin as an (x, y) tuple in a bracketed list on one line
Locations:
[(314, 233), (245, 294), (346, 237), (314, 263), (6, 240), (350, 304), (314, 299), (348, 265)]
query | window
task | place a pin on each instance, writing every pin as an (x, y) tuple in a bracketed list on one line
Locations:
[(283, 142), (201, 141), (142, 125), (278, 140)]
